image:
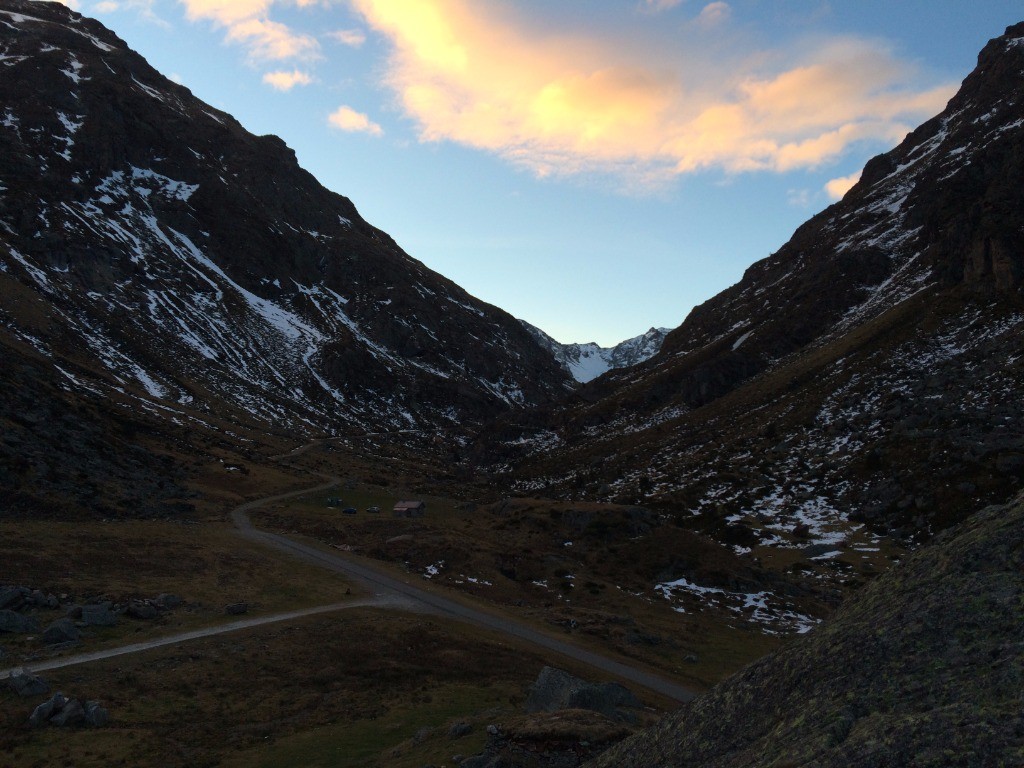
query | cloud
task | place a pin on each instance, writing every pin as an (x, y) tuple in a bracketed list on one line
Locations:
[(347, 119), (657, 6), (353, 38), (839, 187), (247, 22), (798, 198), (285, 81), (558, 104), (713, 14)]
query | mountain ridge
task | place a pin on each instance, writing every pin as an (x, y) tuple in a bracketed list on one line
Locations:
[(589, 360)]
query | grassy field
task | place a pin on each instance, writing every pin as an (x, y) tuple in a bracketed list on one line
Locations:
[(356, 688)]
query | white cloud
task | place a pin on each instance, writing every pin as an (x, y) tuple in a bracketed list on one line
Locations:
[(247, 22), (657, 6), (353, 38), (285, 81), (713, 14), (798, 198), (347, 119), (477, 75), (839, 187)]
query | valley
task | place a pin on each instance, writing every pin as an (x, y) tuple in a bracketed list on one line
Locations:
[(218, 380)]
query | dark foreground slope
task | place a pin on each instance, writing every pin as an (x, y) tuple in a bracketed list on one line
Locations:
[(149, 243), (867, 372), (924, 667)]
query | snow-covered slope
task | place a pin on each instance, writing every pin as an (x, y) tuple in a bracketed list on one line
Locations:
[(149, 243), (588, 361)]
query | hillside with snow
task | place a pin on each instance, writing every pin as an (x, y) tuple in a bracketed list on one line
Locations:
[(588, 361)]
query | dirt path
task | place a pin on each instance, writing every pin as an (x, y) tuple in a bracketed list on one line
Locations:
[(195, 634), (388, 592), (384, 584)]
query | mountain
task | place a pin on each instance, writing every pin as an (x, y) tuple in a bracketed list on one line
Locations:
[(588, 361), (860, 386), (152, 249), (922, 668)]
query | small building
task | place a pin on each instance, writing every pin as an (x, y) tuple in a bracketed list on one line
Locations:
[(410, 509)]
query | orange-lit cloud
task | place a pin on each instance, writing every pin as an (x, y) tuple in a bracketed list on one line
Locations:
[(285, 81), (247, 22), (347, 119), (561, 105), (839, 187)]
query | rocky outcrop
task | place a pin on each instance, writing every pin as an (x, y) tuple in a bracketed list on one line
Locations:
[(922, 668)]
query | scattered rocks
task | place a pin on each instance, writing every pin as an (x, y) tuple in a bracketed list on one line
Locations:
[(556, 689), (61, 631), (11, 621), (236, 609), (63, 712), (26, 684)]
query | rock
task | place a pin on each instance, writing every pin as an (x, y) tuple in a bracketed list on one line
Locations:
[(137, 609), (691, 658), (236, 609), (801, 530), (422, 735), (37, 597), (99, 615), (72, 713), (41, 714), (61, 631), (52, 602), (26, 684), (458, 730), (96, 715), (3, 653), (168, 602), (492, 730), (15, 622), (11, 597), (555, 689)]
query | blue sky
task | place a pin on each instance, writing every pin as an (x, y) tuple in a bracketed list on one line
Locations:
[(594, 167)]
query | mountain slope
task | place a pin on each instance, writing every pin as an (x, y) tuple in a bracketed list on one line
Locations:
[(868, 372), (588, 361), (149, 243), (922, 668)]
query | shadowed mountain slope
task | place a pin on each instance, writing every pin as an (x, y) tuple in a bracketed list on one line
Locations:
[(924, 667), (149, 243), (867, 372)]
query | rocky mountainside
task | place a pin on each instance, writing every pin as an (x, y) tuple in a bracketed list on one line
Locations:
[(152, 249), (862, 382), (588, 361), (924, 667)]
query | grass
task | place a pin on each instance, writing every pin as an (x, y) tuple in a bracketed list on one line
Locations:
[(207, 564), (358, 683)]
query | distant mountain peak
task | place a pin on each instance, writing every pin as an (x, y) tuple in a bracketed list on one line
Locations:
[(589, 360)]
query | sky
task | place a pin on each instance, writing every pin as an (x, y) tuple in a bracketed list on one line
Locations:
[(595, 167)]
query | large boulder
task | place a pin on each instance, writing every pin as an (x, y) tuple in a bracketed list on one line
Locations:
[(15, 622), (42, 714), (139, 609), (26, 684), (72, 713), (96, 715), (556, 689), (12, 597), (61, 631), (99, 615)]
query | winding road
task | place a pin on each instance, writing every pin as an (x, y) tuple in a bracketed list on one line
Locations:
[(389, 592)]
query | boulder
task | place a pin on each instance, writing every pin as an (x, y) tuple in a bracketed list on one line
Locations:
[(26, 684), (167, 602), (96, 715), (61, 631), (236, 609), (72, 713), (11, 597), (15, 622), (137, 609), (556, 689), (458, 730), (97, 615), (42, 714)]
